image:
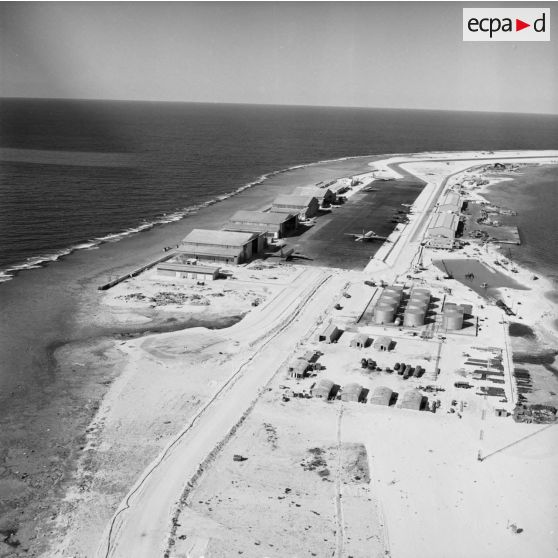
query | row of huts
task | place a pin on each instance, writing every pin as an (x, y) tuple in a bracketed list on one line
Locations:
[(353, 392)]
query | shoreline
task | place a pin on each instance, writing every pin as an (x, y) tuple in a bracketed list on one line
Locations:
[(60, 303), (86, 313), (10, 271)]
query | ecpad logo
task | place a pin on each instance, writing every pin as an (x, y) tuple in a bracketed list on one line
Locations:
[(506, 24)]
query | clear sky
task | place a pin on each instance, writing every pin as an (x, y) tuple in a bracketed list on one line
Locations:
[(391, 54)]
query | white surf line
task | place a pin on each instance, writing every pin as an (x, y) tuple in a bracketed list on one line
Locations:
[(106, 546)]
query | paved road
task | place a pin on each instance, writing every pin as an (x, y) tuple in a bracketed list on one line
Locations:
[(141, 525)]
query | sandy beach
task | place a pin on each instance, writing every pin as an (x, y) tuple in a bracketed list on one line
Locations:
[(185, 377)]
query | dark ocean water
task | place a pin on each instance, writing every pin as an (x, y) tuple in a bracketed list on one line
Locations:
[(74, 173)]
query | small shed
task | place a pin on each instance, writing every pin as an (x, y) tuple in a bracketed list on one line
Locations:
[(382, 396), (298, 368), (323, 389), (382, 343), (360, 341), (501, 412), (413, 400), (330, 334), (351, 392)]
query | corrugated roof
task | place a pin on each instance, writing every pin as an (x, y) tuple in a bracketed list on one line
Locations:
[(314, 191), (323, 387), (451, 198), (353, 388), (445, 221), (222, 238), (259, 217), (412, 399), (293, 201), (381, 396)]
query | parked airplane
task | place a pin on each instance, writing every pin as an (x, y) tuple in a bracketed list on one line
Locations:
[(366, 236)]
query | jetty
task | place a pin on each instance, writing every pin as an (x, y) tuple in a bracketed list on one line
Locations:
[(135, 272)]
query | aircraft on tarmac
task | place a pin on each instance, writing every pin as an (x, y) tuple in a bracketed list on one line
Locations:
[(366, 236)]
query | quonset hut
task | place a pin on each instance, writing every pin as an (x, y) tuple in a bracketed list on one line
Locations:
[(413, 400), (351, 392), (221, 246), (382, 396), (323, 389)]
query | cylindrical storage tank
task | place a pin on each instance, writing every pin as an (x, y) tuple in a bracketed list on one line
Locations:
[(416, 308), (413, 318), (384, 314), (391, 292), (420, 290), (453, 320), (391, 300), (420, 298), (416, 305), (386, 304)]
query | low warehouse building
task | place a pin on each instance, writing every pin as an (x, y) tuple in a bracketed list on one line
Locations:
[(304, 206), (351, 392), (413, 400), (382, 396), (221, 246), (330, 334), (382, 343), (360, 341), (323, 389), (186, 271), (273, 225)]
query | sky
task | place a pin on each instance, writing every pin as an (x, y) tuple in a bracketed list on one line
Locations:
[(365, 54)]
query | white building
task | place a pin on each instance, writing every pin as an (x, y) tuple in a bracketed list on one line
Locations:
[(221, 246), (441, 233)]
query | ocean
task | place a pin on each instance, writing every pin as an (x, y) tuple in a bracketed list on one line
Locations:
[(74, 174), (93, 181)]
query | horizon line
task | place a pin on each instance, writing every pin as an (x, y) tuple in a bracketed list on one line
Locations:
[(23, 97)]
